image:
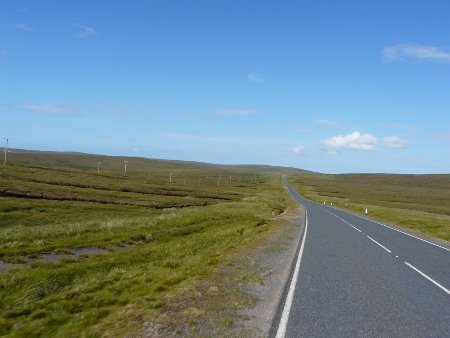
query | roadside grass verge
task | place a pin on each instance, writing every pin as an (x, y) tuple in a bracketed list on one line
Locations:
[(417, 202)]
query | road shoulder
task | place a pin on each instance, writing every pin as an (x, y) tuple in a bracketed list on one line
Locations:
[(242, 297), (275, 258)]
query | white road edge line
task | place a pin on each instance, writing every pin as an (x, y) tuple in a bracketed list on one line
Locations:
[(430, 279), (281, 332), (387, 226), (343, 220), (379, 244)]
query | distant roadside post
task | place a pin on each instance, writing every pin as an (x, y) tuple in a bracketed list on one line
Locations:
[(125, 168), (366, 211), (98, 167), (6, 151)]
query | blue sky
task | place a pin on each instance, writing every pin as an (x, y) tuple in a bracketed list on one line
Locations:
[(330, 86)]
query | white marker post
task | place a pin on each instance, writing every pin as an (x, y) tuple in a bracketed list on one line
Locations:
[(366, 212), (6, 150), (125, 168), (170, 177), (98, 167)]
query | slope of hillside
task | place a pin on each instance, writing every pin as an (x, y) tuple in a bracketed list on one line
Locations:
[(83, 161)]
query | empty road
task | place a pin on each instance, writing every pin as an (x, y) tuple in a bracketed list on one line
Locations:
[(356, 277)]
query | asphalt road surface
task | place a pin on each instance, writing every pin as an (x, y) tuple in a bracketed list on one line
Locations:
[(355, 277)]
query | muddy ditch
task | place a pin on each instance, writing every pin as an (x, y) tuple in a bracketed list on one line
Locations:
[(55, 257), (42, 196), (161, 192)]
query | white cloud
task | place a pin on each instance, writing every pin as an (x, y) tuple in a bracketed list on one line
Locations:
[(355, 140), (85, 31), (23, 27), (326, 123), (45, 109), (28, 11), (299, 150), (415, 51), (255, 78), (236, 112), (331, 152), (395, 142)]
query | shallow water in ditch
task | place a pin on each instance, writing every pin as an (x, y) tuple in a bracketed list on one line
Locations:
[(55, 257)]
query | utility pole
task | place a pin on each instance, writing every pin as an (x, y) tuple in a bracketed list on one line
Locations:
[(125, 168), (98, 167), (6, 150)]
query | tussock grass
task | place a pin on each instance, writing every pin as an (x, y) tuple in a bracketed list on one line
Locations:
[(417, 202), (155, 254)]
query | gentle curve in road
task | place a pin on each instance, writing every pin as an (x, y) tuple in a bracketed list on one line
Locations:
[(357, 277)]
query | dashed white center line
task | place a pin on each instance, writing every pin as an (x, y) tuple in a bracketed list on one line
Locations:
[(389, 227), (343, 220), (382, 246), (379, 244), (429, 278)]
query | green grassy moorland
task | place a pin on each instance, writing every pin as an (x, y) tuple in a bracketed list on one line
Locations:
[(163, 237), (417, 202)]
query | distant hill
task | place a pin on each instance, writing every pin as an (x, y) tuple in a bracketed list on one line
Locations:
[(83, 161), (267, 169)]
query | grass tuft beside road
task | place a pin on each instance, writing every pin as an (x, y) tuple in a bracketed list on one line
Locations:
[(417, 202)]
